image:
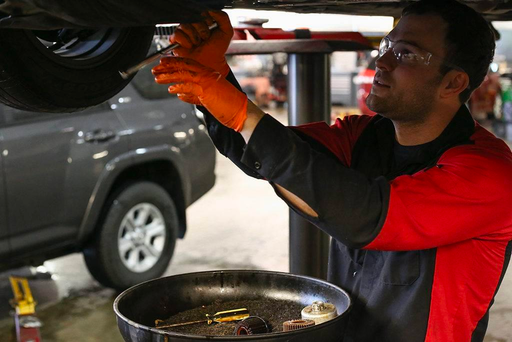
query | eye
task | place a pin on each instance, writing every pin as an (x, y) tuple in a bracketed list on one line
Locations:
[(402, 49), (407, 53), (409, 56)]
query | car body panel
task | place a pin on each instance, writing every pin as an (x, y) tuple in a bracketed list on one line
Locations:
[(110, 173), (184, 131), (49, 169), (59, 169), (147, 119)]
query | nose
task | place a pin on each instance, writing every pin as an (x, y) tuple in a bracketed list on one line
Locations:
[(387, 61)]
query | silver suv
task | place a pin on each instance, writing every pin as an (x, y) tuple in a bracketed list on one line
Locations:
[(112, 181)]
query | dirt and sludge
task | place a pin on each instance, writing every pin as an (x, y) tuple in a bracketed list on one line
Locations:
[(274, 311)]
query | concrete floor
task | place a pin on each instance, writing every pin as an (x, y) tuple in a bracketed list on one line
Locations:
[(239, 224)]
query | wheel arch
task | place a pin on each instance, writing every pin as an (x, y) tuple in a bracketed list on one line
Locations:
[(157, 165)]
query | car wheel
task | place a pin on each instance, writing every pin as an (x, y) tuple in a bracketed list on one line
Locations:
[(135, 239), (69, 69)]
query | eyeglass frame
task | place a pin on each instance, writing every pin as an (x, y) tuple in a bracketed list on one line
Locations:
[(426, 60)]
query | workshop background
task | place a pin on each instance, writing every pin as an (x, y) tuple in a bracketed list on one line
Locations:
[(240, 223)]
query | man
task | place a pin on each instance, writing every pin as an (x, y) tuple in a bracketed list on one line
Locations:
[(415, 198)]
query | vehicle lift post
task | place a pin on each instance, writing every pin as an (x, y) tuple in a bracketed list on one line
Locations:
[(309, 100)]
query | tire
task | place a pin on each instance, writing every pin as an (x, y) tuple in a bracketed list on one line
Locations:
[(118, 256), (67, 70)]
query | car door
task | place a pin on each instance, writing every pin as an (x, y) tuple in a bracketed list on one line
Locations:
[(51, 164), (100, 139), (35, 154)]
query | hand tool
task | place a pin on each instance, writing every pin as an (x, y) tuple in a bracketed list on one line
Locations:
[(153, 57), (218, 317)]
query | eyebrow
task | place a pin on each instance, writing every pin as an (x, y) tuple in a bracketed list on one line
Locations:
[(406, 41)]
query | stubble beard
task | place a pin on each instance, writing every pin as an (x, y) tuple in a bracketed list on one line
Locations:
[(415, 106)]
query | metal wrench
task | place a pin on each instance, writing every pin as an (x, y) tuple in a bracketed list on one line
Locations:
[(153, 57)]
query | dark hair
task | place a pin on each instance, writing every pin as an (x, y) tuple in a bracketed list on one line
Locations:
[(469, 40)]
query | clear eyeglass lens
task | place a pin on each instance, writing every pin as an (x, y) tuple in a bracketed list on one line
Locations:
[(407, 54), (404, 53), (383, 47)]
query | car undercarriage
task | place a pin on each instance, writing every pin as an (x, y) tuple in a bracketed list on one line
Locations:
[(52, 14), (64, 56)]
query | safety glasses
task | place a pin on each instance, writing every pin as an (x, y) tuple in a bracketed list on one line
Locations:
[(409, 54)]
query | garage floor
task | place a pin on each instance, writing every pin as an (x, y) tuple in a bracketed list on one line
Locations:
[(239, 217)]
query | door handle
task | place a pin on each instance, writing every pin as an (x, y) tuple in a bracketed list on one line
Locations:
[(99, 135)]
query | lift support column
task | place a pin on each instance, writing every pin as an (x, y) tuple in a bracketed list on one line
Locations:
[(309, 100)]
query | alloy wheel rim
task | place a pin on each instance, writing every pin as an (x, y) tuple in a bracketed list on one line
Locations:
[(77, 48), (141, 237)]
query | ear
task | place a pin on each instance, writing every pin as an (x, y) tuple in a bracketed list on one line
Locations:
[(454, 83)]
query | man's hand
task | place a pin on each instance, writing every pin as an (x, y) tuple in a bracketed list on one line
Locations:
[(202, 45), (196, 82)]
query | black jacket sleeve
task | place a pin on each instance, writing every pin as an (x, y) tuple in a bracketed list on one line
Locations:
[(351, 207)]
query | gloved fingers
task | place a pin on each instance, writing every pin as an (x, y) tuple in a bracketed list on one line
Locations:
[(175, 76), (188, 89), (181, 37), (181, 51), (222, 20), (192, 99), (192, 33), (172, 64), (202, 29), (180, 75), (164, 61), (162, 68), (207, 18)]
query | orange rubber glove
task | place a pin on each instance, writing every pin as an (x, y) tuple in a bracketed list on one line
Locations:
[(202, 45), (193, 80)]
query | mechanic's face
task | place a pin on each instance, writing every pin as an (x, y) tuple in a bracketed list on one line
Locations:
[(405, 92)]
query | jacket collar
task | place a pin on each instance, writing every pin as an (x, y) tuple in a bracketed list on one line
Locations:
[(457, 132)]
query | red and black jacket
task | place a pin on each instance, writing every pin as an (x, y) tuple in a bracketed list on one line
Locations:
[(421, 248)]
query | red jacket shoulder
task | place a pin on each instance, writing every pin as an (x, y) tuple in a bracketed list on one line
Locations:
[(340, 137)]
